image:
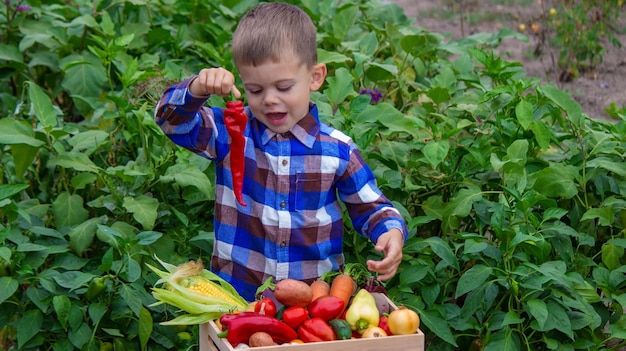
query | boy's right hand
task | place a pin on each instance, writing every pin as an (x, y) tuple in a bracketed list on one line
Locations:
[(214, 81)]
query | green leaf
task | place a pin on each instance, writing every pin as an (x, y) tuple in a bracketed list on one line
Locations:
[(10, 53), (473, 278), (132, 269), (28, 326), (604, 215), (559, 320), (340, 86), (343, 20), (13, 131), (331, 57), (148, 238), (419, 44), (413, 275), (612, 256), (7, 191), (524, 113), (97, 311), (8, 287), (145, 327), (187, 175), (62, 308), (436, 151), (84, 75), (109, 235), (443, 250), (438, 326), (131, 297), (619, 168), (88, 140), (42, 106), (538, 309), (369, 44), (5, 254), (390, 118), (82, 235), (23, 156), (563, 100), (73, 279), (76, 161), (556, 181), (512, 317), (504, 339), (143, 208), (69, 210), (543, 133), (380, 72), (80, 336), (439, 95), (462, 203)]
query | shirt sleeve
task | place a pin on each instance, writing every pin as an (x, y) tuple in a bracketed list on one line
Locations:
[(372, 214), (184, 119)]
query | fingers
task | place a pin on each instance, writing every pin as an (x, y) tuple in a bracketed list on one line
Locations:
[(236, 92), (386, 268), (391, 245), (214, 81)]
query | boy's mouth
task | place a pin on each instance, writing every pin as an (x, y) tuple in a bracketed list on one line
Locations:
[(276, 117)]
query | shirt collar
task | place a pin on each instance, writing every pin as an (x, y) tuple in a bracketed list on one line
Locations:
[(306, 130)]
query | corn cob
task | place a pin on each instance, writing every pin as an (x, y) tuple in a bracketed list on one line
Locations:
[(200, 293), (205, 287)]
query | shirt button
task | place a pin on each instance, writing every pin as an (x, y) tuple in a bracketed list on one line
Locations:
[(285, 162), (283, 244), (283, 204)]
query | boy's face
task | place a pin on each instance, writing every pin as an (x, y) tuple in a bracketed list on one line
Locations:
[(278, 92)]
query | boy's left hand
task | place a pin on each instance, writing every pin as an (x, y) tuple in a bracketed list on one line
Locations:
[(390, 244)]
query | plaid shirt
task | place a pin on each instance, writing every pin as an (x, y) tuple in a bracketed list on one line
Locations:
[(292, 225)]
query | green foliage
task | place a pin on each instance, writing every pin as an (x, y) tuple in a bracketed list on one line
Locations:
[(514, 197), (582, 30)]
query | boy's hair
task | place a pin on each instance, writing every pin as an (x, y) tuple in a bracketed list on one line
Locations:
[(272, 30)]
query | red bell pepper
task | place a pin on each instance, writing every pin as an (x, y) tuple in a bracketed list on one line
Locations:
[(326, 307), (294, 316), (238, 328), (315, 330), (236, 121)]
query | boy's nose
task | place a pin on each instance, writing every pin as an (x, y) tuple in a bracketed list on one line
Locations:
[(270, 98)]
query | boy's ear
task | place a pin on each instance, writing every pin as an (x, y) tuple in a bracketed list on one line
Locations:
[(318, 74)]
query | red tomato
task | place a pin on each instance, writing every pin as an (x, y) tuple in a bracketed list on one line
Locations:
[(382, 324), (266, 306)]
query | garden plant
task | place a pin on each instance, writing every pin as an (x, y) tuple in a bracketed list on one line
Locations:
[(515, 199)]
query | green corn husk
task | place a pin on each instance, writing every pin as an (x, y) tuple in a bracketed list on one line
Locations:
[(200, 308)]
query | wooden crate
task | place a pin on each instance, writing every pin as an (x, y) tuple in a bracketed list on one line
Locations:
[(209, 341)]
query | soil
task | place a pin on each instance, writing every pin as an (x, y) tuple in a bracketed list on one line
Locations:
[(596, 90)]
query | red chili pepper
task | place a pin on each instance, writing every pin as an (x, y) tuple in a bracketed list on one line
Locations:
[(294, 316), (316, 329), (326, 307), (382, 324), (236, 120), (266, 306), (239, 328)]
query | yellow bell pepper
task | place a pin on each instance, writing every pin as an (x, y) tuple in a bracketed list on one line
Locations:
[(362, 312)]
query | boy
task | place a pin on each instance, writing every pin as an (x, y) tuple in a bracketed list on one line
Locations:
[(296, 168)]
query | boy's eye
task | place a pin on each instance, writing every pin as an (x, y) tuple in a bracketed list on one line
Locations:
[(254, 91), (283, 88)]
